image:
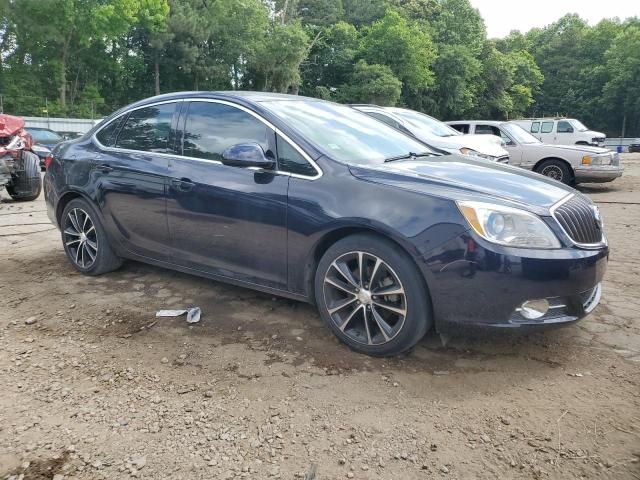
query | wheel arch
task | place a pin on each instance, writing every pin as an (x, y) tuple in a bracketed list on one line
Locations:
[(329, 238), (64, 200)]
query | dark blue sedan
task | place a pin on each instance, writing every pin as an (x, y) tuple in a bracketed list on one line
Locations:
[(315, 201)]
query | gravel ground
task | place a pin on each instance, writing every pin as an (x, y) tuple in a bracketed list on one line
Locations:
[(93, 387)]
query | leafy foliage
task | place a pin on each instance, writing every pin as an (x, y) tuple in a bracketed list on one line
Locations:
[(89, 57)]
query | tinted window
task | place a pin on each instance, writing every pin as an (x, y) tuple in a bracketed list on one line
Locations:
[(147, 129), (461, 128), (107, 136), (487, 130), (564, 127), (535, 127), (212, 127), (547, 127), (290, 160)]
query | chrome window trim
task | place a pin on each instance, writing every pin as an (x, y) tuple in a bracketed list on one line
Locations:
[(552, 210), (279, 132)]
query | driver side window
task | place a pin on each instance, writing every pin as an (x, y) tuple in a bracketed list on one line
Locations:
[(564, 127), (212, 127)]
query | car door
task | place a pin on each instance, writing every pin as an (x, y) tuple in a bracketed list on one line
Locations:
[(130, 177), (226, 220), (564, 133)]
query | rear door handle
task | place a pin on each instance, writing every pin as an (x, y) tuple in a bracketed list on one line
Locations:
[(105, 168), (182, 184)]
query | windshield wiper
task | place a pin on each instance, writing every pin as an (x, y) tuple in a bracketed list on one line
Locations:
[(408, 156)]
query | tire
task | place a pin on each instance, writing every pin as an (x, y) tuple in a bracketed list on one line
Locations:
[(26, 183), (348, 303), (84, 239), (556, 169)]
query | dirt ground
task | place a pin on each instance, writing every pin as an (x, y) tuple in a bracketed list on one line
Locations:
[(93, 387)]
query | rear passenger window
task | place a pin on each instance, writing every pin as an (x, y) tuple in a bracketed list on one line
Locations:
[(211, 128), (292, 161), (107, 136), (547, 127), (487, 130), (535, 127), (147, 129), (461, 127)]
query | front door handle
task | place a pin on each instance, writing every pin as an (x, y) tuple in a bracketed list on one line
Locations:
[(182, 184), (105, 168)]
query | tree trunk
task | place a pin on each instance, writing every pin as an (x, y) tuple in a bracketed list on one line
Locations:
[(63, 77), (63, 82), (157, 73)]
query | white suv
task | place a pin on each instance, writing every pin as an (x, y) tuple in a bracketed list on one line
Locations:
[(562, 131)]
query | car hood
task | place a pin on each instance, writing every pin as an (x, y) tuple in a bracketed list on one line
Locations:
[(462, 178), (453, 144)]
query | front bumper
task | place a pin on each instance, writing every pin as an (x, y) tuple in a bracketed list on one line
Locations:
[(474, 283), (598, 174)]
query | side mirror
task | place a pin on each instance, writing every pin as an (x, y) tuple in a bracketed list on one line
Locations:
[(246, 155)]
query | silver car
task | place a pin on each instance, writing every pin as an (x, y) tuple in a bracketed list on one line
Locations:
[(569, 164)]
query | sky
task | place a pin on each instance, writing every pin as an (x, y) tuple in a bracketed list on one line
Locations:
[(502, 16)]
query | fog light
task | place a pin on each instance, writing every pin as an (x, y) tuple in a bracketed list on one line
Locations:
[(532, 309)]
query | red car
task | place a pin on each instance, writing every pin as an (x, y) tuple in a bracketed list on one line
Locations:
[(19, 165)]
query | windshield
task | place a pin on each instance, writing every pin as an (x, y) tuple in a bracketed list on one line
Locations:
[(422, 121), (344, 133), (519, 134), (44, 135), (578, 125)]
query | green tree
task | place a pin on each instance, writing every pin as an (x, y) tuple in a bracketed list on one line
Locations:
[(60, 28), (404, 47), (372, 84), (276, 65), (622, 92), (331, 59)]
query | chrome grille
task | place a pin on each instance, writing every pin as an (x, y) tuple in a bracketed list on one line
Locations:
[(579, 219)]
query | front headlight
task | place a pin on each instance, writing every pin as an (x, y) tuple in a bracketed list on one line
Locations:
[(474, 153), (597, 160), (508, 226)]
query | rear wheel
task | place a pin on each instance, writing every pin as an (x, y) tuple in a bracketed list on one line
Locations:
[(556, 169), (372, 295), (26, 183), (84, 239)]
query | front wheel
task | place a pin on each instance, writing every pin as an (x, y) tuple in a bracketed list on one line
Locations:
[(557, 170), (372, 296)]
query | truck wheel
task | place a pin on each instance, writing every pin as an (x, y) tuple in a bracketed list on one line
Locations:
[(26, 183), (557, 170)]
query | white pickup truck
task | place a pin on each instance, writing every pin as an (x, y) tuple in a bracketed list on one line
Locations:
[(562, 131), (570, 164)]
